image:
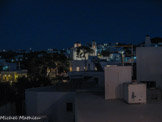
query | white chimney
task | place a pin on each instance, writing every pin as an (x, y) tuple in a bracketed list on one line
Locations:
[(147, 41)]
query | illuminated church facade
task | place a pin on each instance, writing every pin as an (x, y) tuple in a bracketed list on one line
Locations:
[(74, 54)]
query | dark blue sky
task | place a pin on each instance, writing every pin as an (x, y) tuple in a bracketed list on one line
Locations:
[(42, 24)]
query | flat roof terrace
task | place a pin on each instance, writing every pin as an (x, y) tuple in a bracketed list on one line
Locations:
[(92, 107)]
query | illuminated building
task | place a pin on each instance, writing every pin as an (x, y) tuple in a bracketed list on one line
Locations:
[(94, 47), (77, 44), (92, 64), (74, 55), (12, 76)]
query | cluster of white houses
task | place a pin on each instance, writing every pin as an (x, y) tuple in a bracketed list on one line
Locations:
[(114, 80)]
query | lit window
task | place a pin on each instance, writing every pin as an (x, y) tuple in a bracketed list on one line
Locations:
[(95, 68), (85, 68), (75, 45), (77, 68), (70, 69)]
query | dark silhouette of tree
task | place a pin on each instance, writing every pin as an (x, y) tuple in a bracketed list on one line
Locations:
[(156, 40), (105, 52), (7, 93), (46, 64)]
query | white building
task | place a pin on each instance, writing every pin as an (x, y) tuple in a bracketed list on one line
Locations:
[(94, 47), (149, 64), (55, 106), (77, 65), (74, 54), (92, 64), (147, 41), (115, 76), (12, 76)]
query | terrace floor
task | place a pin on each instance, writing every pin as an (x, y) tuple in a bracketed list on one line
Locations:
[(92, 107)]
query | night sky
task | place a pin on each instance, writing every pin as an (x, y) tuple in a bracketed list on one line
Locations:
[(42, 24)]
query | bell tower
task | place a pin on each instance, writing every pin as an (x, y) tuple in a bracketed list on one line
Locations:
[(94, 47)]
